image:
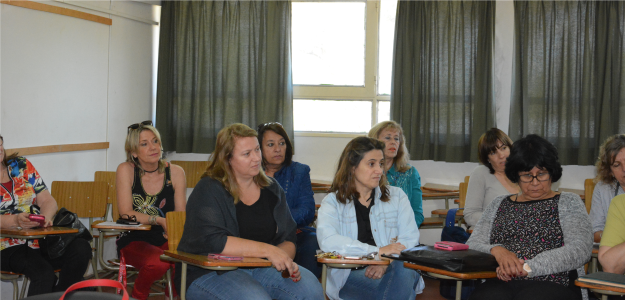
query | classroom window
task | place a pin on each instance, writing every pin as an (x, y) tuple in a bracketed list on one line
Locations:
[(342, 64)]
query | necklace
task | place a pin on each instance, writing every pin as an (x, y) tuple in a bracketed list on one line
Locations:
[(151, 171)]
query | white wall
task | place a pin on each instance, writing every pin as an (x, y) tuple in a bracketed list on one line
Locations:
[(68, 80)]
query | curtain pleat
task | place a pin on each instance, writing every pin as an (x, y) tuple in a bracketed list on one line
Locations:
[(442, 77), (222, 62)]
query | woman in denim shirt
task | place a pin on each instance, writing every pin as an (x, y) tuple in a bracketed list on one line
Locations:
[(363, 214), (294, 178)]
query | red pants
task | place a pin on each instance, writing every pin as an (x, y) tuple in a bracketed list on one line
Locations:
[(146, 258)]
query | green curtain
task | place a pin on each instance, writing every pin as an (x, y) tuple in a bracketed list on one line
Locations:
[(222, 62), (442, 68), (568, 82)]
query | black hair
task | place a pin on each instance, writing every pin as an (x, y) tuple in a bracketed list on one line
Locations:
[(533, 151)]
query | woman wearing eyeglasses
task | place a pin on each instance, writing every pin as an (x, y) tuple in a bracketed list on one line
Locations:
[(21, 191), (294, 178), (147, 189), (398, 171), (363, 214), (236, 210), (541, 239)]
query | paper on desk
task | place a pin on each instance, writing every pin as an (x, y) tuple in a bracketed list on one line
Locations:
[(117, 225)]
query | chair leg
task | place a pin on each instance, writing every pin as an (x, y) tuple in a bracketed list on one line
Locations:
[(24, 285), (169, 284), (15, 288)]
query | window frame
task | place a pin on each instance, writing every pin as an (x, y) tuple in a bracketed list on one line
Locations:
[(368, 92)]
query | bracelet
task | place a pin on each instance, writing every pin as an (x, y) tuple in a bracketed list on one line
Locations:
[(152, 220)]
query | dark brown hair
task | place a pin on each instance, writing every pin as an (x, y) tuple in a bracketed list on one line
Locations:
[(607, 153), (488, 144), (343, 184), (278, 129), (5, 158)]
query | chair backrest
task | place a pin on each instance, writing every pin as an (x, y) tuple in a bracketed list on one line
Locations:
[(110, 178), (589, 188), (462, 194), (193, 170), (175, 227), (466, 179), (85, 198)]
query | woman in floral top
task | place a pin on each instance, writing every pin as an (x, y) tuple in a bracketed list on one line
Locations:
[(23, 192), (399, 172), (541, 239)]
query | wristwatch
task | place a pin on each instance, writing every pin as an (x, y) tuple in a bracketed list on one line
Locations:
[(527, 269)]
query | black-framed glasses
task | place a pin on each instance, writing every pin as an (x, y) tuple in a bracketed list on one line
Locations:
[(527, 178), (262, 126), (139, 125), (128, 217)]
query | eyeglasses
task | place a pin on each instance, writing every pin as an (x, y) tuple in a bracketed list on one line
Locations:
[(527, 178), (139, 125), (128, 217), (262, 126)]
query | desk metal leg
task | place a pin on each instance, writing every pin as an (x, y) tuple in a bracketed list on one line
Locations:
[(458, 289), (447, 203), (183, 282), (169, 284), (604, 297), (324, 276)]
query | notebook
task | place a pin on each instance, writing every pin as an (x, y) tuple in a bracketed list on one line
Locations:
[(604, 278)]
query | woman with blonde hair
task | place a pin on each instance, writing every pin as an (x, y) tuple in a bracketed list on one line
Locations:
[(363, 214), (398, 171), (147, 189), (236, 210), (610, 181)]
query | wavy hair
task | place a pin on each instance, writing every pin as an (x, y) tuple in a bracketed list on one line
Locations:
[(343, 184), (219, 162), (132, 146), (5, 158), (401, 160), (607, 154)]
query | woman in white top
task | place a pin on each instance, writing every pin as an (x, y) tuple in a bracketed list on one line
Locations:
[(488, 180), (364, 214)]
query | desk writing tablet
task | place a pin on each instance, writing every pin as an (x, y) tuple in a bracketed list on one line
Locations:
[(467, 275), (32, 233), (113, 225), (204, 261)]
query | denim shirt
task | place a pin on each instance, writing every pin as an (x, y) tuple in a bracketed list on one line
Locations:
[(295, 181), (410, 183), (337, 230)]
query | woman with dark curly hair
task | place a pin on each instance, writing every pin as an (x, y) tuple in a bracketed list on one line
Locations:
[(610, 181), (541, 239)]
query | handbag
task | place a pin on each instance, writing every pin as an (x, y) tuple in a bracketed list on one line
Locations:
[(53, 246), (453, 261), (451, 232)]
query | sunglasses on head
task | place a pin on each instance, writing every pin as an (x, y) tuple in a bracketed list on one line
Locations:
[(262, 126), (139, 125)]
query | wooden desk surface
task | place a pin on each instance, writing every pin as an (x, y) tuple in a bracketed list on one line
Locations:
[(599, 286), (35, 232), (97, 225), (203, 260), (377, 261), (470, 275)]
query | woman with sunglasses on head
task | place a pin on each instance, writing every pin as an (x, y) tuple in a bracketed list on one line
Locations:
[(147, 189), (540, 238), (363, 214), (294, 178), (488, 180), (398, 171), (236, 210), (23, 192)]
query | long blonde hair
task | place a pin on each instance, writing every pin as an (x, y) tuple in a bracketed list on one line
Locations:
[(401, 160), (132, 146), (219, 162)]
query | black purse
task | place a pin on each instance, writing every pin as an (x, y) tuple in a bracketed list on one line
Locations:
[(53, 246), (454, 261)]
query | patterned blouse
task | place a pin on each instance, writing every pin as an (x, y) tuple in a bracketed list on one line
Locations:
[(529, 228), (26, 185)]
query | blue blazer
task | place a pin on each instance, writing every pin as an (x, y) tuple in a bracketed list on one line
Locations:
[(295, 181)]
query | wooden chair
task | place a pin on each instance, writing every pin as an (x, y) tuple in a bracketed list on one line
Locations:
[(13, 277), (193, 170), (175, 228), (589, 188), (462, 197), (87, 199), (110, 178)]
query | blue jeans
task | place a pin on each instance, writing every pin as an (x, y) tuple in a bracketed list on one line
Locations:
[(255, 283), (397, 283), (307, 246)]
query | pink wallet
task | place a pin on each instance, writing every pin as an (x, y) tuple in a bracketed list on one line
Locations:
[(450, 246)]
